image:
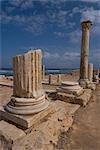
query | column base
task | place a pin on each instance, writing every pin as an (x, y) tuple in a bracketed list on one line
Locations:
[(26, 106), (91, 85), (83, 83), (70, 88)]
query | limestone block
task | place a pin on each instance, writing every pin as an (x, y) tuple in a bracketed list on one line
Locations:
[(27, 121), (82, 100), (91, 85), (70, 88), (9, 134), (85, 97), (74, 92)]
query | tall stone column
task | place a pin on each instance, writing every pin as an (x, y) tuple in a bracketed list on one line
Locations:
[(28, 96), (90, 72), (84, 52), (43, 72)]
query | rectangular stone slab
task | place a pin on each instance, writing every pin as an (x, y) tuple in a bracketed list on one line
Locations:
[(85, 97), (32, 120), (82, 100), (9, 134)]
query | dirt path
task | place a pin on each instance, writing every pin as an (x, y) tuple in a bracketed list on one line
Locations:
[(85, 134)]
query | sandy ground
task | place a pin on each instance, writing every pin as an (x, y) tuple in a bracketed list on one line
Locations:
[(85, 132)]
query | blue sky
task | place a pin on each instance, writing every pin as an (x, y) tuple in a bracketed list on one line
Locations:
[(53, 26)]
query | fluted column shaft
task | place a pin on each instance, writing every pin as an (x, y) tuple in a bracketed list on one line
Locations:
[(27, 70)]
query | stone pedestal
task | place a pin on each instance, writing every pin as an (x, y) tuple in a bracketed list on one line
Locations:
[(84, 53), (90, 72), (70, 88)]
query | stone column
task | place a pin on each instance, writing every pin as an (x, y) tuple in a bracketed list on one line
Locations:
[(59, 78), (84, 52), (28, 96), (43, 72), (90, 72), (98, 72), (50, 78)]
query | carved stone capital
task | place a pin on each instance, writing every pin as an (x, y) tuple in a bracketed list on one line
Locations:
[(86, 25)]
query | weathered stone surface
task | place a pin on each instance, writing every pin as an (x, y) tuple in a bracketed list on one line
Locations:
[(91, 85), (70, 88), (28, 95), (45, 135), (27, 70), (46, 131), (43, 72), (67, 91), (84, 52), (27, 121), (59, 79), (85, 97), (90, 72), (51, 79), (69, 83), (6, 84), (54, 79), (82, 100), (83, 83), (9, 134)]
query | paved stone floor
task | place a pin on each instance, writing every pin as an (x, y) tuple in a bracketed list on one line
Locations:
[(85, 133)]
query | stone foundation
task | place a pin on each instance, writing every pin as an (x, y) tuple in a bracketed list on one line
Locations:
[(82, 100), (44, 134)]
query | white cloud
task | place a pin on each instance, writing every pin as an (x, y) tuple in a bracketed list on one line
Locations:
[(69, 54), (92, 1), (21, 4), (67, 59), (34, 23), (91, 14), (48, 55), (75, 36)]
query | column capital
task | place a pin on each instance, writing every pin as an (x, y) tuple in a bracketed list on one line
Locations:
[(86, 24)]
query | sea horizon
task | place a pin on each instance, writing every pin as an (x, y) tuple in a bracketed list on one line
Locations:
[(9, 71)]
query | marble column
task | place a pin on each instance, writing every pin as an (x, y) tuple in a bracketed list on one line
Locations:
[(43, 72), (28, 96), (90, 72), (84, 52)]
